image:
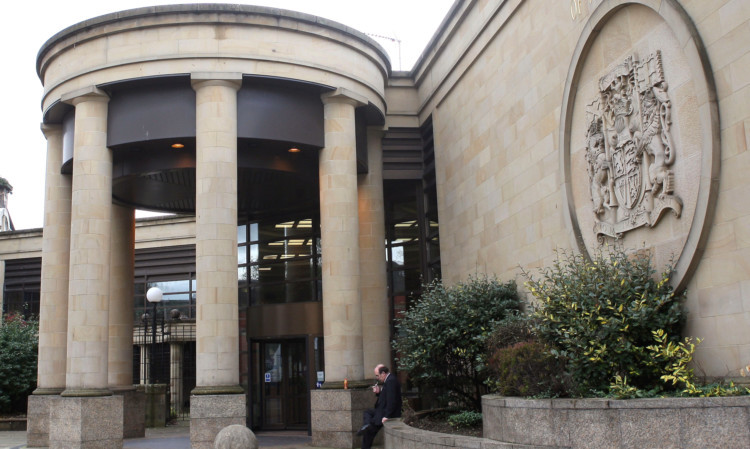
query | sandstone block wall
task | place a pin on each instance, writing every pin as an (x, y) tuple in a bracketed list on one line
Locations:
[(494, 85)]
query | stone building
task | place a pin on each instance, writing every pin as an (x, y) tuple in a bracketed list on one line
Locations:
[(317, 177)]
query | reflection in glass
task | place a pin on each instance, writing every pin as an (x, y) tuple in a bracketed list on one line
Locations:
[(242, 234), (171, 286), (283, 261), (242, 254)]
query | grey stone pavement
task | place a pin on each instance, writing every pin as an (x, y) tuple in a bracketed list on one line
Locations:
[(177, 437)]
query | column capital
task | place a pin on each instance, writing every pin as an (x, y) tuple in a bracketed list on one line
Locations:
[(226, 79), (50, 129), (343, 95), (90, 93)]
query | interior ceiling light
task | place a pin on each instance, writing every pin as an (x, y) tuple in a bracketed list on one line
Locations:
[(287, 224), (294, 150), (178, 145)]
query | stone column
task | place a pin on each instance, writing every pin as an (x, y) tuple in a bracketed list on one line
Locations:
[(218, 400), (120, 365), (87, 415), (337, 413), (53, 307), (373, 281), (175, 376), (339, 240)]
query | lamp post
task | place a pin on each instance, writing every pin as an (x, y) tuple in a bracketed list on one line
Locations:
[(153, 295)]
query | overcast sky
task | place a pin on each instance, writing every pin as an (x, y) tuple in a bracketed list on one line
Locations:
[(29, 23)]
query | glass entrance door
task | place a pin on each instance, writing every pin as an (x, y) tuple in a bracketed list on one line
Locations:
[(280, 384)]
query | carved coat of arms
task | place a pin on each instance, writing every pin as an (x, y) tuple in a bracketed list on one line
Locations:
[(629, 151)]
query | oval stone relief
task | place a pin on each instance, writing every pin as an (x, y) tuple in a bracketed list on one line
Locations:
[(640, 134)]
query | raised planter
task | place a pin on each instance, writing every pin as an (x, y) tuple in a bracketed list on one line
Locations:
[(634, 423), (400, 436)]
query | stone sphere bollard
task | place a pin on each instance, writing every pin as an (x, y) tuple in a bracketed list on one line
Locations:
[(235, 436)]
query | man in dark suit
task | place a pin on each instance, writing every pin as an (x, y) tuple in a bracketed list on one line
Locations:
[(388, 405)]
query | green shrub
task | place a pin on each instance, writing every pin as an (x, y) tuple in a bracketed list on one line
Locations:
[(527, 369), (18, 355), (600, 315), (513, 329), (441, 339), (465, 420)]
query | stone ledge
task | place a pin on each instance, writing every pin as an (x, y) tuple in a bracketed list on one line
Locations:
[(595, 423), (399, 435), (12, 424)]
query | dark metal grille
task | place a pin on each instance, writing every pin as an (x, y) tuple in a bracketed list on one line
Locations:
[(168, 359)]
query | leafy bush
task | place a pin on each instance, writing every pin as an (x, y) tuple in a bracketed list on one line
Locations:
[(441, 338), (600, 315), (466, 419), (527, 369), (515, 328), (18, 355)]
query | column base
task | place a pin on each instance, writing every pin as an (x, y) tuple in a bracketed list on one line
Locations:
[(155, 403), (209, 413), (337, 415), (134, 412), (93, 422), (37, 416)]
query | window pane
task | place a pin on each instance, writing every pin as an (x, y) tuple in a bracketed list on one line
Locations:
[(171, 286), (176, 297), (283, 292), (406, 281), (405, 231), (242, 234), (253, 232), (242, 255), (285, 249), (267, 294), (280, 230), (253, 250)]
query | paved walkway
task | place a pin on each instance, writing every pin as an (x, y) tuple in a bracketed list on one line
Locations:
[(177, 437)]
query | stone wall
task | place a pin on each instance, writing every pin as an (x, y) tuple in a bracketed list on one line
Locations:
[(634, 423), (511, 85), (593, 423), (400, 436)]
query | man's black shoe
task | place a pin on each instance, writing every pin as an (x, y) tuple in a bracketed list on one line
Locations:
[(362, 429)]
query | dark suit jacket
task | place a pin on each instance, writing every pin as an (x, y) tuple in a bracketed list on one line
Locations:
[(389, 401)]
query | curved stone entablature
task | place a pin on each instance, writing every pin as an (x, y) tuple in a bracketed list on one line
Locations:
[(180, 39), (639, 134), (146, 61)]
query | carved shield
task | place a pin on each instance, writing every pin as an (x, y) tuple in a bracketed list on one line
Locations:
[(627, 174)]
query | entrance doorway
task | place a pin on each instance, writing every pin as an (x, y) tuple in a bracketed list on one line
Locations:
[(279, 384)]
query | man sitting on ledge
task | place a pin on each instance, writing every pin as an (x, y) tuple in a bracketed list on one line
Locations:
[(387, 406)]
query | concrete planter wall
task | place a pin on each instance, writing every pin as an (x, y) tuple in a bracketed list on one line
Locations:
[(635, 423), (400, 436), (680, 423)]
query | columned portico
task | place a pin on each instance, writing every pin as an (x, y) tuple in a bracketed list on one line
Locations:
[(218, 399), (53, 309), (230, 132), (87, 415)]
